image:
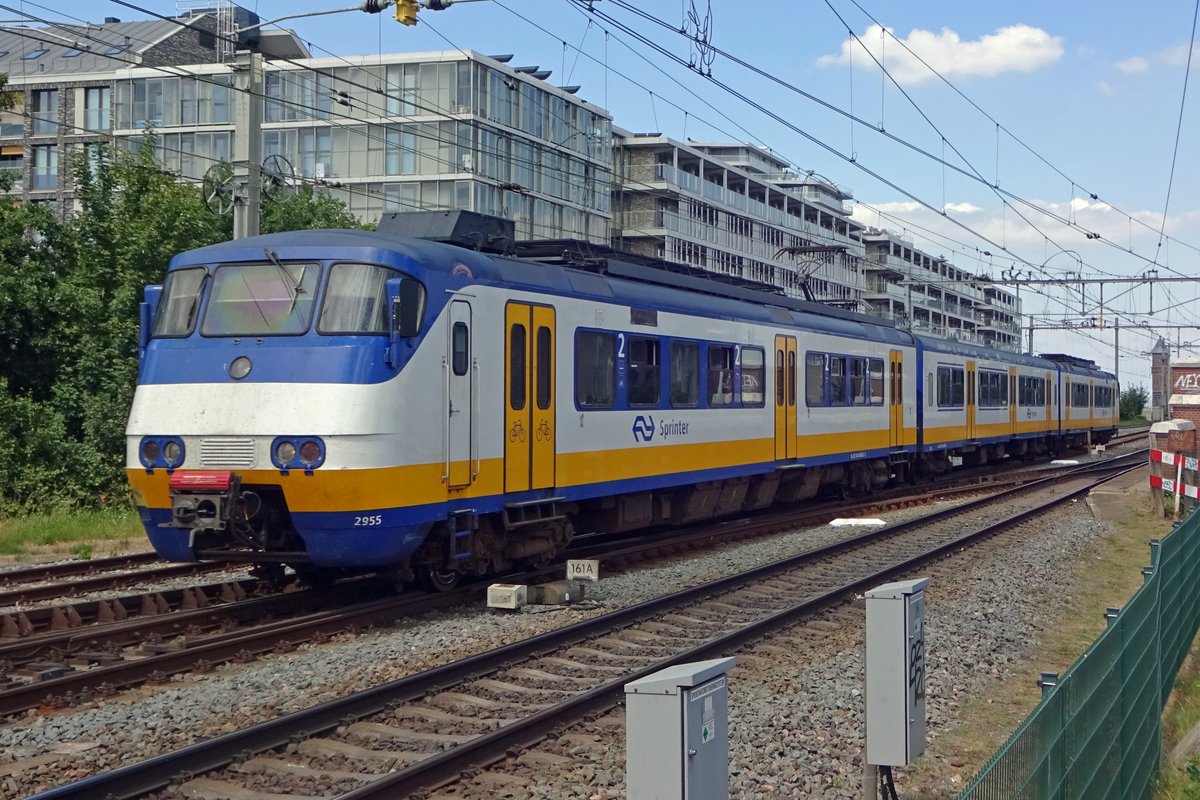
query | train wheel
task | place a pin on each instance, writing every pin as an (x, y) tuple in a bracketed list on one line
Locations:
[(437, 580)]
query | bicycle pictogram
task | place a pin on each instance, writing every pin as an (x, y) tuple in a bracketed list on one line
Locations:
[(543, 431), (517, 432)]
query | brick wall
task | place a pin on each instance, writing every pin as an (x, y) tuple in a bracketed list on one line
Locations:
[(1184, 391)]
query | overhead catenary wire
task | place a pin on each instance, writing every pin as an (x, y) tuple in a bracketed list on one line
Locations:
[(851, 160), (124, 4), (832, 107)]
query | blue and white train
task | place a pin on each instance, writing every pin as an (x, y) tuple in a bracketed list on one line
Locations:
[(354, 399)]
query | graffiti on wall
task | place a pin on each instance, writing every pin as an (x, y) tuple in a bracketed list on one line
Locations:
[(1185, 381)]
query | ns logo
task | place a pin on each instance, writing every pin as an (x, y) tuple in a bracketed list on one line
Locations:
[(643, 428)]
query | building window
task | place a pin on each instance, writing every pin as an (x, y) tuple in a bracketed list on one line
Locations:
[(97, 106), (35, 53), (12, 162), (45, 111), (401, 155), (316, 153), (45, 167)]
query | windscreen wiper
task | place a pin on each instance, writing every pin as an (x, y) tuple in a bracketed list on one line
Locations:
[(293, 284)]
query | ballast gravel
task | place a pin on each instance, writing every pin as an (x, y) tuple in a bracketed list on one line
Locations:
[(977, 626)]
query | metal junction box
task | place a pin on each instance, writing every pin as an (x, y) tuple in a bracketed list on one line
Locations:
[(896, 672), (677, 733)]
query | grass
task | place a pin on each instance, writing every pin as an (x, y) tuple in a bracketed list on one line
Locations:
[(1109, 578), (1182, 714), (81, 533)]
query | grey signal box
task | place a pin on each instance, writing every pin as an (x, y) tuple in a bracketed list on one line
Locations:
[(896, 672), (677, 733)]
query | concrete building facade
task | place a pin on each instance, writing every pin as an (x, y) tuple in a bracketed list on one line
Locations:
[(932, 295), (463, 130), (736, 210)]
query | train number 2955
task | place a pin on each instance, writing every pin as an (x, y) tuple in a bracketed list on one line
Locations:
[(373, 519)]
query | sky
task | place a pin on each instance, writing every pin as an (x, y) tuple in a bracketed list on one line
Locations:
[(1030, 137)]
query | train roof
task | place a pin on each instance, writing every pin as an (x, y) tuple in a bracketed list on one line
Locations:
[(624, 282), (600, 273)]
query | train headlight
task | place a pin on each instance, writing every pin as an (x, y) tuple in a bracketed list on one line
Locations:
[(298, 452), (164, 452), (240, 368), (284, 453), (310, 452)]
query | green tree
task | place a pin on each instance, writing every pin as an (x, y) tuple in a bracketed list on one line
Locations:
[(69, 295), (1133, 400), (305, 209)]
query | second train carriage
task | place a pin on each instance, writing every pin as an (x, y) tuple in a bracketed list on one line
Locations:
[(356, 399)]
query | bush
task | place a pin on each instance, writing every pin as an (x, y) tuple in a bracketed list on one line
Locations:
[(1133, 401)]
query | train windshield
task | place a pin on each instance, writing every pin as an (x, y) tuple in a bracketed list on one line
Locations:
[(356, 300), (261, 299), (180, 301)]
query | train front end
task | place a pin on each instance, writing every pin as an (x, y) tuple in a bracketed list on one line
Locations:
[(276, 418)]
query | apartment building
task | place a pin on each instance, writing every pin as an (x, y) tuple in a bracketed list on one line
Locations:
[(932, 295), (463, 130), (737, 210), (397, 132)]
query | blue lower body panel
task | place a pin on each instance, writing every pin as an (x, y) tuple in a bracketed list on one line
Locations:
[(362, 539)]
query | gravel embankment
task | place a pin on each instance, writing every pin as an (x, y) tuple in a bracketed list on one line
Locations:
[(795, 732), (796, 700)]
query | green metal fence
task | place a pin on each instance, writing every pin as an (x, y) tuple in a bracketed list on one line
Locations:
[(1097, 731)]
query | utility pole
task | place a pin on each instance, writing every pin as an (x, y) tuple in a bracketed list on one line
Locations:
[(1117, 348), (1030, 335), (247, 144)]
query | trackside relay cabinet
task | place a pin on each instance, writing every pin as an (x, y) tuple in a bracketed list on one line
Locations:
[(677, 733), (896, 672)]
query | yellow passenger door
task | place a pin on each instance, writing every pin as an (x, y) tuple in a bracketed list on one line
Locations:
[(970, 399), (785, 397), (896, 398), (529, 423)]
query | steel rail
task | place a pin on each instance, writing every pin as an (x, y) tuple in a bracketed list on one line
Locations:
[(147, 776), (62, 569), (99, 583)]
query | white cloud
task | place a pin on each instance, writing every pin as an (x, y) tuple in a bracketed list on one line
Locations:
[(1104, 87), (1089, 216), (1133, 66), (1016, 48), (1177, 56)]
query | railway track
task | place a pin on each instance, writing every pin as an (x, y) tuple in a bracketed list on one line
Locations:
[(424, 730), (202, 627), (110, 579)]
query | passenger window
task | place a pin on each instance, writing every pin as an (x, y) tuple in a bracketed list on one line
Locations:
[(877, 381), (460, 356), (858, 381), (516, 367), (837, 381), (814, 379), (779, 379), (791, 378), (753, 374), (685, 374), (720, 375), (595, 362), (644, 376), (545, 366)]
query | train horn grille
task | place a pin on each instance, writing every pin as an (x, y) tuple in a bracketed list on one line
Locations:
[(227, 452)]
